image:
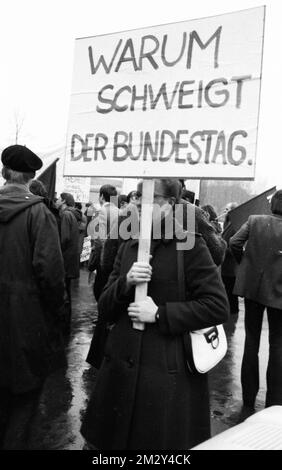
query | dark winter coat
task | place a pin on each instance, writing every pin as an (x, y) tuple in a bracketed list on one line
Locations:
[(191, 216), (144, 396), (70, 242), (259, 276), (31, 290), (82, 221), (229, 266)]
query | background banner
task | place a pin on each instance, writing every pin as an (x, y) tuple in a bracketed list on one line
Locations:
[(78, 187), (258, 205)]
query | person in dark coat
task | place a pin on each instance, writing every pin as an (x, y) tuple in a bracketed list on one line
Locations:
[(107, 218), (89, 213), (69, 235), (38, 188), (259, 281), (106, 222), (122, 202), (82, 222), (212, 217), (193, 218), (145, 397), (229, 266), (31, 295), (188, 216)]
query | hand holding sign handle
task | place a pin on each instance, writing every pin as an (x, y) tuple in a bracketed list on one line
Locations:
[(144, 239)]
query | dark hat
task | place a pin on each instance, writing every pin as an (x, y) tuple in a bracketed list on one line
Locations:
[(20, 158)]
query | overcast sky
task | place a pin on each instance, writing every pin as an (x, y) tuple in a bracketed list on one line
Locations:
[(36, 51)]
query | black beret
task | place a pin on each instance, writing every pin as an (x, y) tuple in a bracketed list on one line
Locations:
[(20, 158)]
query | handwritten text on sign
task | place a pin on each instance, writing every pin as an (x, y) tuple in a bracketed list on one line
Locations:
[(173, 100)]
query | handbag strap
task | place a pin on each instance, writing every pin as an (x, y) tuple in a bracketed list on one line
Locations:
[(186, 340), (180, 275)]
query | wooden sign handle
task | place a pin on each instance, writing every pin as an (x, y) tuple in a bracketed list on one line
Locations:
[(144, 239)]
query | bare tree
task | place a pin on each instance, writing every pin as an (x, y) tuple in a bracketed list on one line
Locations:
[(19, 122)]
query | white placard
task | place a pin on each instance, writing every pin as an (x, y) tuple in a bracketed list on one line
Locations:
[(78, 187), (176, 100), (86, 249)]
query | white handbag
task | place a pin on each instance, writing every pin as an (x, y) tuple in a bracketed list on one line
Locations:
[(205, 348)]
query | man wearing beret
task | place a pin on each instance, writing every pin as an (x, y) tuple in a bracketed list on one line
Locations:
[(31, 296)]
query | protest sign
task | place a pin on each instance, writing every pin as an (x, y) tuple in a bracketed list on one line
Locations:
[(176, 100), (78, 187), (86, 249)]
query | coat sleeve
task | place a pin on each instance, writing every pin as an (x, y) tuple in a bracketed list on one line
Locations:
[(207, 304), (115, 295), (47, 257), (237, 242)]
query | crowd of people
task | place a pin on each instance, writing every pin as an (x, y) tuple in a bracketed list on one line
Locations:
[(144, 396)]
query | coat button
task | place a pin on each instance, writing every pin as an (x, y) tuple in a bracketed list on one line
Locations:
[(130, 362), (107, 357)]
